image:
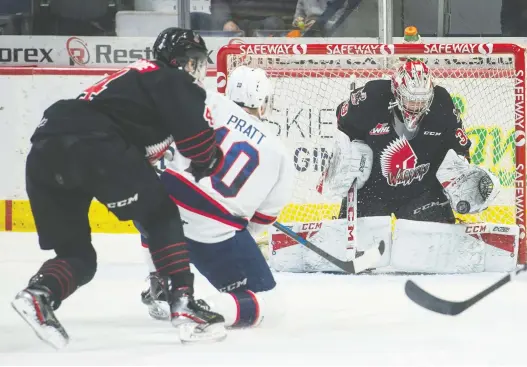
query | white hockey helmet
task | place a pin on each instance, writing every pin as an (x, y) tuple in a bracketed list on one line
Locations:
[(249, 88), (413, 90)]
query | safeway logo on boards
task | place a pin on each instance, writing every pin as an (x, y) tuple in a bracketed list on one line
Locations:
[(360, 49), (274, 49), (459, 48)]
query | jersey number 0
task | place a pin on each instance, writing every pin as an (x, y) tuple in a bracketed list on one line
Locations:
[(233, 175)]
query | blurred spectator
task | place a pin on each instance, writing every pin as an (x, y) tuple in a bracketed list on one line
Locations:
[(360, 19), (78, 18), (200, 10), (16, 17), (318, 16), (250, 15), (200, 15), (514, 18)]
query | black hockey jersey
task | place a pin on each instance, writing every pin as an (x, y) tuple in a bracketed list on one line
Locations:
[(404, 166), (149, 104)]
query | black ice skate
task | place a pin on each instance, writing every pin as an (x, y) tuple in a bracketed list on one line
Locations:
[(155, 299), (194, 319), (35, 306)]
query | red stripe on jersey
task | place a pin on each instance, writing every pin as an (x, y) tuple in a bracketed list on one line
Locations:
[(197, 189), (205, 214), (197, 145), (262, 218), (193, 137)]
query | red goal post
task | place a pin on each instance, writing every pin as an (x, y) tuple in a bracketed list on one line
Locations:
[(486, 81)]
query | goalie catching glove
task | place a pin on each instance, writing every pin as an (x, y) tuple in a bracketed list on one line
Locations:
[(470, 189), (350, 160)]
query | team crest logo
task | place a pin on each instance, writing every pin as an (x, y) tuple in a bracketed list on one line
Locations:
[(380, 129), (399, 164)]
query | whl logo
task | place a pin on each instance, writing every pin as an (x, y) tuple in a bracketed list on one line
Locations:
[(399, 164), (380, 129)]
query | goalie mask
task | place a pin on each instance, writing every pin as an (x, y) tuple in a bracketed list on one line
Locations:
[(413, 91), (250, 88), (183, 49)]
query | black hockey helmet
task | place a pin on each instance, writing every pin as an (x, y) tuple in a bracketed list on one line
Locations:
[(176, 47)]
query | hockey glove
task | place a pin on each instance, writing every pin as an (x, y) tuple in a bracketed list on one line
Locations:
[(199, 170), (350, 160), (470, 189)]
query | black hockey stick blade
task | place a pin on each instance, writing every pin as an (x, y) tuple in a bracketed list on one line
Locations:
[(452, 308), (367, 260)]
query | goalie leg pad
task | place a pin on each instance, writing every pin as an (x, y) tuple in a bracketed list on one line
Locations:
[(371, 230), (451, 248), (331, 236)]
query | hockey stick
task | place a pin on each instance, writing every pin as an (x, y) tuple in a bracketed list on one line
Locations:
[(351, 215), (366, 261), (444, 307)]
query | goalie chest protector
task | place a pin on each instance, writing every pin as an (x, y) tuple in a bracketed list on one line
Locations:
[(404, 166)]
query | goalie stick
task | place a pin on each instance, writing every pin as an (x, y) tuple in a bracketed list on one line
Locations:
[(367, 260), (351, 216), (452, 308)]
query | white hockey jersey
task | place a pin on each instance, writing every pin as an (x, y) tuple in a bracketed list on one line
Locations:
[(251, 188)]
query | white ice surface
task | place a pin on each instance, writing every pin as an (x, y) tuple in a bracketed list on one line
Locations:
[(329, 320)]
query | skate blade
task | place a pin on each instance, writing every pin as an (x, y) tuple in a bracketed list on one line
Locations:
[(48, 334), (195, 333), (159, 310)]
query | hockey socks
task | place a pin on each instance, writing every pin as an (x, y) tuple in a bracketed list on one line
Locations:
[(63, 275), (241, 309), (58, 276), (171, 259), (247, 309)]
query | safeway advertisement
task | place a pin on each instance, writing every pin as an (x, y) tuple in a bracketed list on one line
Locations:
[(119, 51), (113, 51)]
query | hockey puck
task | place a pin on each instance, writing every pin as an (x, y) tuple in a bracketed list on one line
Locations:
[(463, 207)]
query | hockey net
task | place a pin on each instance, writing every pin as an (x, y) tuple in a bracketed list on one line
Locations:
[(486, 82)]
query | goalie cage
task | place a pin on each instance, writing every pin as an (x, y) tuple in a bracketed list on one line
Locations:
[(486, 82)]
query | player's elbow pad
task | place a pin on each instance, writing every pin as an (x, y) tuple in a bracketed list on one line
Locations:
[(470, 189)]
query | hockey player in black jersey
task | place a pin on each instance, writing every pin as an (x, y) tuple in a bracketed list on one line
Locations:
[(102, 145), (393, 137)]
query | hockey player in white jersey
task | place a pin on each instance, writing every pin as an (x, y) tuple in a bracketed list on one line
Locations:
[(224, 213)]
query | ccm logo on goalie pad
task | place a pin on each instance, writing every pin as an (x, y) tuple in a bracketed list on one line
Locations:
[(476, 229), (432, 133), (501, 229), (120, 204)]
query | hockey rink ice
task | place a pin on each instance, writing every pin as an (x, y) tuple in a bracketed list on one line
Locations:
[(328, 319)]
